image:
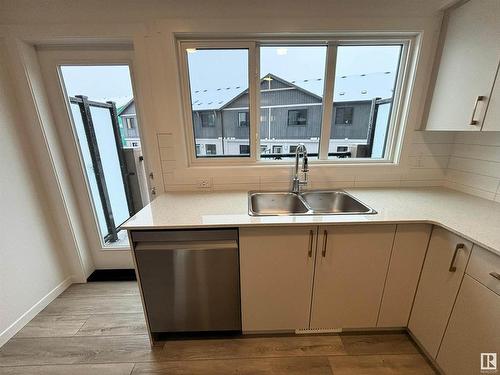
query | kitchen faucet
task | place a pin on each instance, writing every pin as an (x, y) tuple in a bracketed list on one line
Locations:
[(296, 181)]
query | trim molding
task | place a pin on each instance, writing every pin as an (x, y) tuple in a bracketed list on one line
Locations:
[(25, 318)]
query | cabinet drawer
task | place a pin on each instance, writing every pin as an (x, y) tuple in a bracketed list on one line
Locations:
[(484, 266)]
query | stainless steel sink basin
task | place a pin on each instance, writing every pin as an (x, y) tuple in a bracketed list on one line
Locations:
[(335, 202), (264, 203)]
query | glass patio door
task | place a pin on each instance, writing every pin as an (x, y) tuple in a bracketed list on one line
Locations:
[(98, 131), (91, 93)]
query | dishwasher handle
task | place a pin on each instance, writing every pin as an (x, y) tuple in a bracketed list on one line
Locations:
[(187, 245)]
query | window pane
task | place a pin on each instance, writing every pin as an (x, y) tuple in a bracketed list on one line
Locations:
[(110, 163), (101, 104), (291, 99), (243, 119), (218, 80), (364, 88)]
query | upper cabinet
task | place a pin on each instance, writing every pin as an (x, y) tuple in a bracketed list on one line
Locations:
[(465, 90), (492, 118)]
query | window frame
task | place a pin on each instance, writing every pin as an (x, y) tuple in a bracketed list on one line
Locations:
[(405, 74)]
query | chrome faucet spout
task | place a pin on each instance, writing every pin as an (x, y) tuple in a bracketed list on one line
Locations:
[(296, 181)]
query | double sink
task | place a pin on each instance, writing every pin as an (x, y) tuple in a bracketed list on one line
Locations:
[(334, 202)]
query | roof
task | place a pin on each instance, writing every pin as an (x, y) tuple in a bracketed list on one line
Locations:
[(272, 76), (348, 88), (125, 106)]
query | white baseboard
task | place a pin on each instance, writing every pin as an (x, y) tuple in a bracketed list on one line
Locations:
[(24, 319)]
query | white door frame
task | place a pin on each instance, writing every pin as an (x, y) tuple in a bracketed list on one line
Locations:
[(51, 58)]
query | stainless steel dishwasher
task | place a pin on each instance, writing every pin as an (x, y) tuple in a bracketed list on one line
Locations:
[(189, 279)]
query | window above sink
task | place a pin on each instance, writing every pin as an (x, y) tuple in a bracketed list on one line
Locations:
[(254, 100)]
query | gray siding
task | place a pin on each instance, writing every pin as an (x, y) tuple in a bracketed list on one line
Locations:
[(232, 127), (130, 110), (239, 102), (286, 97), (279, 123), (134, 132), (226, 124), (207, 131), (275, 84), (359, 127)]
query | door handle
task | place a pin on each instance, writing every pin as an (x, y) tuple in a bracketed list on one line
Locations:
[(325, 240), (453, 268), (311, 237), (480, 98)]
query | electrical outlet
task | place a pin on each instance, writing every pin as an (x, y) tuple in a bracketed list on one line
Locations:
[(204, 183)]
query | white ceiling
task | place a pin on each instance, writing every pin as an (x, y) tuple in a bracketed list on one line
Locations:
[(98, 11)]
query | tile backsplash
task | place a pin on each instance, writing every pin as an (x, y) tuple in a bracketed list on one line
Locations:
[(424, 163), (474, 165)]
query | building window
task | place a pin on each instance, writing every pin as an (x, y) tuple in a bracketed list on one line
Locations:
[(243, 119), (211, 149), (198, 149), (306, 90), (130, 121), (297, 117), (135, 144), (292, 149), (277, 149), (244, 150), (207, 119), (344, 115)]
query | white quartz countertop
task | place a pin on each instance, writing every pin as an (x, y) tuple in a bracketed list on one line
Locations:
[(473, 218)]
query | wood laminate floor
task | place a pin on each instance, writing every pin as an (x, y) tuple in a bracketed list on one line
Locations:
[(99, 328)]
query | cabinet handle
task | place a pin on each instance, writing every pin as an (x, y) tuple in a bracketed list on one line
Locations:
[(453, 268), (311, 237), (325, 240), (496, 275), (480, 98)]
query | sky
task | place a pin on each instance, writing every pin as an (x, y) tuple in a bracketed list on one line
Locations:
[(221, 69), (212, 69), (99, 83)]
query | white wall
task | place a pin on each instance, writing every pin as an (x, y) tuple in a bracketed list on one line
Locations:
[(474, 165), (32, 268), (153, 27), (423, 159)]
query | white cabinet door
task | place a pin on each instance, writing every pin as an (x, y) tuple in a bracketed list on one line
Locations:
[(473, 329), (467, 67), (407, 258), (442, 273), (351, 266), (277, 266), (492, 118)]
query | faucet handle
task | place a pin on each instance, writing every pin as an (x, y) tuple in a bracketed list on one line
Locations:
[(305, 164)]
